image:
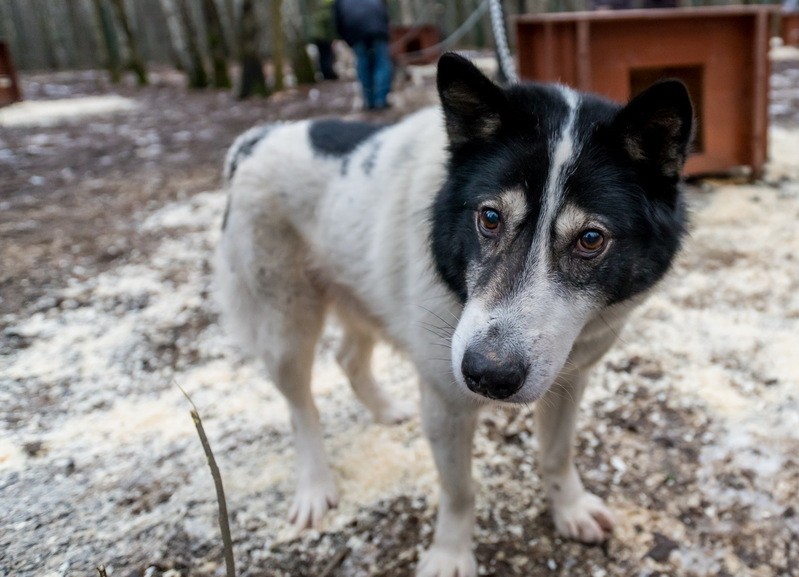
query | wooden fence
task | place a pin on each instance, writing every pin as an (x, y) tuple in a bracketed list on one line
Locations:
[(68, 34)]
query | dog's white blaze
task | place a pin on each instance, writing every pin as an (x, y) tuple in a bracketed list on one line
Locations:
[(543, 320), (565, 151), (535, 316), (473, 320)]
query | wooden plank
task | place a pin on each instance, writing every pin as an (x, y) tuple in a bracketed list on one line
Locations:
[(583, 55), (760, 96)]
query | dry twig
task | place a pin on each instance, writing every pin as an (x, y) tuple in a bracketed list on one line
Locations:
[(224, 525)]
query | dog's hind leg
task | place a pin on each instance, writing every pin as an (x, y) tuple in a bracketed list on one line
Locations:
[(291, 371), (449, 424), (355, 357), (578, 514), (276, 310), (288, 333)]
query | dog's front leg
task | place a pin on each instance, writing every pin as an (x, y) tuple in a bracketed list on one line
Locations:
[(578, 514), (449, 424)]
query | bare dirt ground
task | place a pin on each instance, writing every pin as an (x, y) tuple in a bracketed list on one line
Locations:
[(691, 428)]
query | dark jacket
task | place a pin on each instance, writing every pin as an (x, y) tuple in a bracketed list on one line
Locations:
[(361, 20)]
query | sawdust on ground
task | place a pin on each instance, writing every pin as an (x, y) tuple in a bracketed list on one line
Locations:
[(690, 429)]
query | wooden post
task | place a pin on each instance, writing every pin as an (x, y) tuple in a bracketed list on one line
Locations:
[(760, 96), (583, 55)]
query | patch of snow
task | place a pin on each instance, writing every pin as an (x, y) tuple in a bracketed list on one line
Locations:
[(11, 456), (784, 53), (716, 344), (51, 112), (783, 153)]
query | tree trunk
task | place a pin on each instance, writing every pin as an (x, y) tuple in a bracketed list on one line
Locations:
[(483, 29), (93, 28), (252, 80), (198, 77), (111, 40), (301, 63), (20, 35), (294, 23), (134, 59), (46, 29), (230, 8), (7, 28), (278, 40), (84, 43), (56, 17), (176, 34), (216, 44), (227, 12)]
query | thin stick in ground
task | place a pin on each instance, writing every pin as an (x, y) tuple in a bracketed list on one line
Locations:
[(224, 524)]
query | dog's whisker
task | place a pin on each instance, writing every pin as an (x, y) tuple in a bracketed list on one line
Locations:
[(426, 324), (435, 331), (612, 329), (562, 387), (435, 314)]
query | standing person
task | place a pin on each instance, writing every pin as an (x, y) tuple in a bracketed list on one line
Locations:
[(363, 24), (323, 33)]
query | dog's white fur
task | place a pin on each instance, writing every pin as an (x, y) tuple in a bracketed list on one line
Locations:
[(299, 242)]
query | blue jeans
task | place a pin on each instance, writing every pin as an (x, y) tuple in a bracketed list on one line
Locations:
[(374, 71)]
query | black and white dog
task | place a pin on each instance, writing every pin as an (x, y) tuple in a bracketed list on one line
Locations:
[(520, 225)]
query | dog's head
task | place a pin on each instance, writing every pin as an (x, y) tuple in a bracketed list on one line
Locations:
[(557, 205)]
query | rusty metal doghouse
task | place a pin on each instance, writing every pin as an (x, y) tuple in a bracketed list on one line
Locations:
[(720, 53), (790, 28), (414, 44), (9, 85)]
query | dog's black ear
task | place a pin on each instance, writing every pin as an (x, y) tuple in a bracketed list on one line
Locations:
[(656, 128), (472, 103)]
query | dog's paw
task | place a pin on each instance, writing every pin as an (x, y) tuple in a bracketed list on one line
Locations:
[(395, 412), (445, 562), (586, 519), (310, 505)]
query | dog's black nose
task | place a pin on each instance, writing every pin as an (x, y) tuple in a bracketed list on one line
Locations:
[(491, 375)]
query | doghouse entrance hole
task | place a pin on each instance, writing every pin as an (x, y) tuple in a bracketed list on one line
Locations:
[(692, 76), (413, 45)]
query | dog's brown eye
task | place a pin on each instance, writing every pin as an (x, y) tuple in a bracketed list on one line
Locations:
[(489, 221), (590, 243)]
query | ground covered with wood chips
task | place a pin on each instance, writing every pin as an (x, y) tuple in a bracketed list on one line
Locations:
[(690, 429)]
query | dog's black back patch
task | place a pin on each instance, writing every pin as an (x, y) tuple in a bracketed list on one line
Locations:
[(245, 146), (340, 137)]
